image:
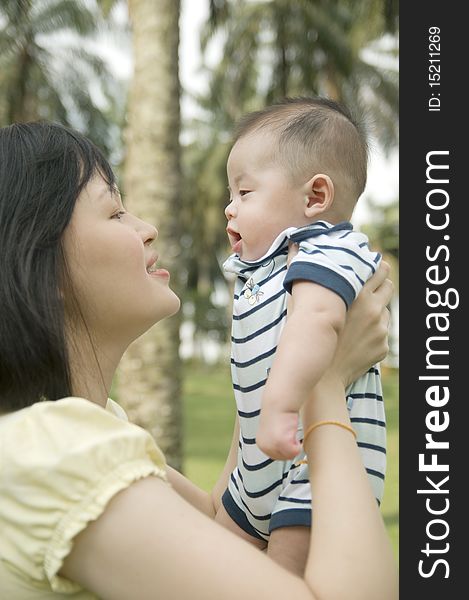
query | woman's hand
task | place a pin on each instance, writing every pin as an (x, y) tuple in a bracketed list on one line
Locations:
[(364, 339)]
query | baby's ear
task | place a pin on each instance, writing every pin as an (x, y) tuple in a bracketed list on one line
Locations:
[(319, 195)]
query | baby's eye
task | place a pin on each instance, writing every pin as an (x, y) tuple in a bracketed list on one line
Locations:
[(244, 192)]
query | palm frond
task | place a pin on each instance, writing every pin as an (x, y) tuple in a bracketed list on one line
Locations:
[(54, 16)]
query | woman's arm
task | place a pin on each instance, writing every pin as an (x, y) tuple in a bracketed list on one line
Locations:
[(350, 553), (151, 543), (207, 503), (231, 461)]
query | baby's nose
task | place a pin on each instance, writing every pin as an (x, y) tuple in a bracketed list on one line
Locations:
[(230, 211)]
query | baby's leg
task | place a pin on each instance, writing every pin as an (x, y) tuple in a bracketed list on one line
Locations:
[(223, 518), (288, 546), (276, 435)]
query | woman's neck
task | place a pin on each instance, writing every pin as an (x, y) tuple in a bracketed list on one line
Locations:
[(93, 366)]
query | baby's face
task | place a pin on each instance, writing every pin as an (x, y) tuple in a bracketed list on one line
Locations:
[(263, 200)]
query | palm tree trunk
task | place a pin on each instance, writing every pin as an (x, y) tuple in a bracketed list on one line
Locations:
[(284, 67), (150, 374)]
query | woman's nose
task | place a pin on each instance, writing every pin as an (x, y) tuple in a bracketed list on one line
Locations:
[(149, 233)]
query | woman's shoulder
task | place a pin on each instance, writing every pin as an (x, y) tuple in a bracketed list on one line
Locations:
[(54, 430), (61, 463)]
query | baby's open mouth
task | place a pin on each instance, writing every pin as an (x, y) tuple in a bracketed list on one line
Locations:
[(235, 239)]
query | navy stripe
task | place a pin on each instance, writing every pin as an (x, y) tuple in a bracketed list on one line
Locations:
[(295, 500), (311, 252), (249, 415), (272, 275), (313, 230), (258, 517), (259, 466), (367, 395), (260, 331), (373, 370), (248, 494), (290, 517), (298, 481), (249, 441), (263, 262), (249, 388), (363, 244), (352, 253), (263, 492), (349, 268), (259, 306), (365, 420), (233, 479), (322, 275), (375, 473), (371, 447), (260, 283), (238, 515), (248, 363)]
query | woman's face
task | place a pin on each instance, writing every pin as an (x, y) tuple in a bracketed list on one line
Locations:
[(112, 267)]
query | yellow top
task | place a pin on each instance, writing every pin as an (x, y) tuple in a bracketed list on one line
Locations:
[(60, 464)]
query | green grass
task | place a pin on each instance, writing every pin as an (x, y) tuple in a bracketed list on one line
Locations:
[(208, 425), (390, 504)]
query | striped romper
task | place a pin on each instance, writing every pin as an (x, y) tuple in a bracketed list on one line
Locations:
[(265, 494)]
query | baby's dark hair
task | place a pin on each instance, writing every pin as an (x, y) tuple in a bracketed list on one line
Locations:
[(313, 135)]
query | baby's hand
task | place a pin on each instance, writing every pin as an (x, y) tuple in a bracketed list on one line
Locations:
[(276, 435)]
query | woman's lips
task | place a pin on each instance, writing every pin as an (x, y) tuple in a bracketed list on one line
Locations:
[(163, 273), (152, 271)]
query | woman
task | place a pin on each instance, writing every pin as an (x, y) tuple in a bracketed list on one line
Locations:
[(86, 509)]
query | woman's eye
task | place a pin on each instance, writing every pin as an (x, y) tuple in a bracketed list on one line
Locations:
[(118, 215)]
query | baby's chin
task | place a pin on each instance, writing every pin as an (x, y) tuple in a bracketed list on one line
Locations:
[(253, 256), (250, 257)]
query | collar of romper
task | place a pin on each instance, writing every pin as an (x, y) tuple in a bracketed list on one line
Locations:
[(243, 268)]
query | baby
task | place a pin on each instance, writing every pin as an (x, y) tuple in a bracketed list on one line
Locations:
[(295, 173)]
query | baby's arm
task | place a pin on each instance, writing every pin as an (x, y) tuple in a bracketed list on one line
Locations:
[(305, 350)]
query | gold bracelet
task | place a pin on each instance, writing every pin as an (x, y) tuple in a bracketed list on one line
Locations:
[(319, 423)]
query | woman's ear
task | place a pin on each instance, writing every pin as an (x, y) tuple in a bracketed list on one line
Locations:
[(319, 195)]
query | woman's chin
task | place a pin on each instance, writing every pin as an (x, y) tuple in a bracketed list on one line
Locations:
[(168, 307), (176, 304), (162, 309)]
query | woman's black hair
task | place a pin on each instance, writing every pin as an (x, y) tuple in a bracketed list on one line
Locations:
[(43, 169)]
